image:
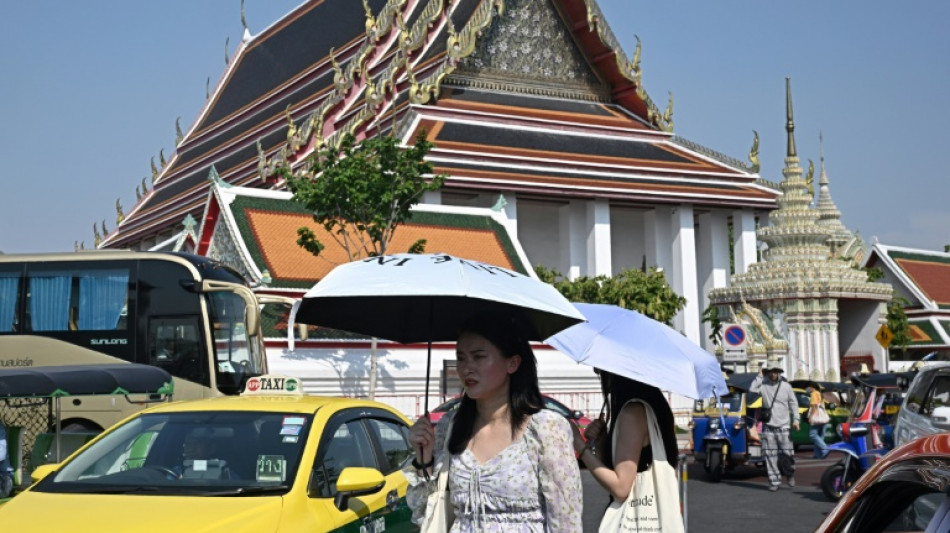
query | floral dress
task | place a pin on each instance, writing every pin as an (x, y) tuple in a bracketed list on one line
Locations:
[(532, 486)]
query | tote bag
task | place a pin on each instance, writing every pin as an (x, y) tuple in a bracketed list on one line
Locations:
[(819, 416), (439, 511), (653, 504)]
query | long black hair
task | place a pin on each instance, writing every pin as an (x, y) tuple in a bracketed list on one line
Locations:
[(524, 396), (620, 390)]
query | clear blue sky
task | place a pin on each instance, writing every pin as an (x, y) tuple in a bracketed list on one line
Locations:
[(91, 90)]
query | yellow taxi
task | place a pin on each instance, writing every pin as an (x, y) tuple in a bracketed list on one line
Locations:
[(272, 460)]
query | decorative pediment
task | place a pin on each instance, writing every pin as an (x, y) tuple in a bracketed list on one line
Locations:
[(508, 55)]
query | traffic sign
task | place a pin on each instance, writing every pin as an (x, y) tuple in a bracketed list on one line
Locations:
[(734, 343), (884, 336)]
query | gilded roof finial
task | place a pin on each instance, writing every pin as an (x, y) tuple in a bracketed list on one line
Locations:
[(76, 245), (227, 43), (635, 64), (790, 125), (668, 114), (178, 134), (138, 194), (339, 77), (207, 87), (154, 169), (754, 153), (370, 21), (810, 178), (119, 215), (82, 246), (243, 18), (105, 230), (98, 237), (161, 157), (144, 187)]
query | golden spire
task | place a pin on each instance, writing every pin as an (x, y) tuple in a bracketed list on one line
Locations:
[(754, 152), (790, 125)]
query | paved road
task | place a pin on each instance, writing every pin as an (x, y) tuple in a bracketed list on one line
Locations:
[(740, 502)]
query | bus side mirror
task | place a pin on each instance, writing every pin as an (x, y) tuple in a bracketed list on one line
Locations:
[(251, 318)]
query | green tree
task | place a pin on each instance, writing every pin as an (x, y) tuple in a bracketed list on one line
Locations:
[(360, 193), (646, 292), (711, 317), (898, 324)]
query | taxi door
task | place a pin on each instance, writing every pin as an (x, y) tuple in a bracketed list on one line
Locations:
[(357, 438)]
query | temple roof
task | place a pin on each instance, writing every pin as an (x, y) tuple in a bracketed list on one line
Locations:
[(923, 274), (255, 232), (547, 82)]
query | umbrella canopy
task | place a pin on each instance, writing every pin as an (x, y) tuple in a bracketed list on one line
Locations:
[(426, 297), (73, 380), (633, 345)]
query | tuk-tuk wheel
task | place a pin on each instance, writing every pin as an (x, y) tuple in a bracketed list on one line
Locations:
[(715, 466)]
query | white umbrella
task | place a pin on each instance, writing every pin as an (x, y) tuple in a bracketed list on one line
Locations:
[(633, 345), (426, 297)]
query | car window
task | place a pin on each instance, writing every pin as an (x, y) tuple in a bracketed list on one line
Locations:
[(895, 506), (916, 392), (393, 438), (938, 396), (349, 445)]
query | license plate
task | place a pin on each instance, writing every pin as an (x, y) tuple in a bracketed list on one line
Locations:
[(755, 451)]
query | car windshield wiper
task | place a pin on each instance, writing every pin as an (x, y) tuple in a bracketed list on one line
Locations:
[(118, 489), (249, 491)]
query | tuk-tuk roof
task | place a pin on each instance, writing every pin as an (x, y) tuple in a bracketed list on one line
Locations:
[(742, 381), (899, 380), (823, 386), (73, 380)]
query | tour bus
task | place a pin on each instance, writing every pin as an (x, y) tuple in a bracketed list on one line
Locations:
[(192, 316)]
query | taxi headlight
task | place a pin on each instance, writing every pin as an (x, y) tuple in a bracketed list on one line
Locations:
[(714, 423)]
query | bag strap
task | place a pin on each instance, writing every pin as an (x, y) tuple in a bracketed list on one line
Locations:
[(443, 476), (656, 437)]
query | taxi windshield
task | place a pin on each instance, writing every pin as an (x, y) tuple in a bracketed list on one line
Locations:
[(190, 453)]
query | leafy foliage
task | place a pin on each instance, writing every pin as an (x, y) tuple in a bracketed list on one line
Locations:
[(711, 317), (874, 273), (898, 324), (361, 192), (646, 292)]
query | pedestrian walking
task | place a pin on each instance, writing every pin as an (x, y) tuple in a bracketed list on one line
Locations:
[(507, 464), (779, 412), (817, 420), (620, 452)]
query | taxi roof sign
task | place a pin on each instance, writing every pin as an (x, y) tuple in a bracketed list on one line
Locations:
[(273, 384)]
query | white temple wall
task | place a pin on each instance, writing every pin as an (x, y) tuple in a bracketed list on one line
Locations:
[(684, 271), (712, 262), (743, 234), (858, 322), (597, 228), (626, 239), (539, 233)]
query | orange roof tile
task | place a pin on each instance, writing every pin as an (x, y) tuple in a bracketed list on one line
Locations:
[(931, 277)]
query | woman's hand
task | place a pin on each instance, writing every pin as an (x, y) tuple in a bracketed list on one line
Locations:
[(579, 442), (595, 430), (422, 438)]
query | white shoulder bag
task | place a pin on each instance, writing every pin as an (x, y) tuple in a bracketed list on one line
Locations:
[(440, 513), (654, 502)]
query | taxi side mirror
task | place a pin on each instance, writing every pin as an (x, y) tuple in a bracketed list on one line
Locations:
[(356, 481), (940, 418), (42, 471)]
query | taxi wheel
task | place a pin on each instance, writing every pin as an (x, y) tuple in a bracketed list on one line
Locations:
[(715, 466)]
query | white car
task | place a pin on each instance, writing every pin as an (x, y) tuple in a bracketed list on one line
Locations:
[(926, 407)]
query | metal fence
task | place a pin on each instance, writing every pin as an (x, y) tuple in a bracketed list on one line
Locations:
[(33, 416)]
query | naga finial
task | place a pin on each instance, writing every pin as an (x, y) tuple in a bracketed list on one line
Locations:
[(754, 153), (243, 17), (144, 187), (119, 215), (161, 157), (668, 114), (105, 230), (227, 44), (810, 178), (98, 237), (178, 134), (635, 64), (138, 194), (207, 87), (154, 169), (370, 20)]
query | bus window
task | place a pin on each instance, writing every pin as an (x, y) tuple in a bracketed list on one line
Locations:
[(87, 300), (9, 295), (176, 348), (235, 358)]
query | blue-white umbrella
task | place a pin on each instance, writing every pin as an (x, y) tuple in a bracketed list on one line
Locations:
[(636, 346)]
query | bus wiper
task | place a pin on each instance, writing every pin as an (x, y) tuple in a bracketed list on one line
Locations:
[(249, 491)]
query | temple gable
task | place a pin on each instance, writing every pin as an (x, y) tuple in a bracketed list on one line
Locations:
[(529, 45)]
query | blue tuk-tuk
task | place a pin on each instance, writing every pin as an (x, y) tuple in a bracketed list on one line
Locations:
[(723, 430)]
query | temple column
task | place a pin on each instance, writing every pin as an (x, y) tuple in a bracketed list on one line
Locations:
[(684, 271), (598, 238), (743, 232), (712, 261), (572, 218)]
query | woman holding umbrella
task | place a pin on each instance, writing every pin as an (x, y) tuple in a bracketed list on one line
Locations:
[(629, 449), (508, 462)]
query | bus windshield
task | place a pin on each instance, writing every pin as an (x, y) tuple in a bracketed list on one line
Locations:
[(236, 357)]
